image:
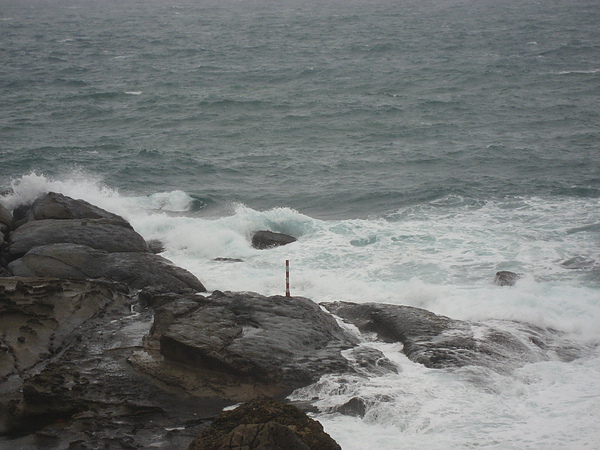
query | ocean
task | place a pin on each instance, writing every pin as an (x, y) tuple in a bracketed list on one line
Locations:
[(414, 148)]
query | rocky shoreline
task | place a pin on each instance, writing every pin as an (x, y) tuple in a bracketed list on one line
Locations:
[(104, 343)]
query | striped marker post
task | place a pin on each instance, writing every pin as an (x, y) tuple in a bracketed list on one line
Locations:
[(287, 277)]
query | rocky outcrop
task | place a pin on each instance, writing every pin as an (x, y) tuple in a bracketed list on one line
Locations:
[(53, 205), (39, 317), (440, 342), (239, 345), (135, 269), (6, 219), (263, 423), (269, 239), (66, 238), (64, 376), (100, 234)]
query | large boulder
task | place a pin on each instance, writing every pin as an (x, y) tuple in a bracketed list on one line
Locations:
[(439, 342), (268, 239), (239, 345), (53, 205), (263, 423), (101, 234), (6, 219), (138, 270)]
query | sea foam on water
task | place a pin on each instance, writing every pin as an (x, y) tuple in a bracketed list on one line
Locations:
[(441, 256)]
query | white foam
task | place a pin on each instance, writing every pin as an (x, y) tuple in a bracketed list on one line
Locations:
[(441, 256)]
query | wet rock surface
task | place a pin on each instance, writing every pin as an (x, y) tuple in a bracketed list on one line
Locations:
[(53, 205), (105, 344), (506, 278), (137, 269), (100, 234), (264, 424), (440, 342), (268, 239), (78, 388), (239, 345)]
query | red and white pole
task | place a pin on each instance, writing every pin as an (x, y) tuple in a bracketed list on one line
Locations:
[(287, 277)]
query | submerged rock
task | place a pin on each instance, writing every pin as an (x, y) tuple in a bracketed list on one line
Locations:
[(506, 278), (263, 423), (439, 342), (269, 239)]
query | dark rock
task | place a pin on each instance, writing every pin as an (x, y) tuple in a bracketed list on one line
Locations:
[(506, 278), (136, 269), (81, 392), (101, 234), (438, 341), (268, 239), (6, 219), (21, 214), (156, 246), (228, 260), (355, 407), (371, 361), (239, 345), (58, 206), (263, 423), (39, 317)]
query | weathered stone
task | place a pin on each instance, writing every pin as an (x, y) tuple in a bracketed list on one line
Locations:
[(268, 239), (156, 246), (136, 269), (506, 278), (239, 345), (438, 341), (39, 317), (355, 407), (101, 234), (82, 389), (58, 206), (263, 423), (6, 219)]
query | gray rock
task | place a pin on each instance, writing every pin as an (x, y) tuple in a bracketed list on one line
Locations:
[(506, 278), (439, 342), (268, 239), (69, 382), (39, 315), (58, 206), (238, 345), (101, 234), (136, 269), (6, 219)]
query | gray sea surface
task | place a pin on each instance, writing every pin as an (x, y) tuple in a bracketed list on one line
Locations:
[(335, 108)]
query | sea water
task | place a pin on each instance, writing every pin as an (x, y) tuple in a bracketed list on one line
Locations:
[(414, 148)]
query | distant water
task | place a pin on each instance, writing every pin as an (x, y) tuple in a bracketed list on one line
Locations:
[(414, 147)]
